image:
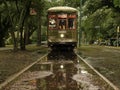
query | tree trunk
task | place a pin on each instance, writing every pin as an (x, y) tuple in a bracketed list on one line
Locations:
[(15, 43), (39, 31), (22, 45), (23, 15), (1, 37), (2, 43), (27, 36)]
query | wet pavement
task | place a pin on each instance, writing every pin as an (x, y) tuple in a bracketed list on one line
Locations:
[(57, 71)]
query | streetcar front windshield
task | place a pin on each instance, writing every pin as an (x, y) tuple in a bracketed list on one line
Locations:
[(62, 23)]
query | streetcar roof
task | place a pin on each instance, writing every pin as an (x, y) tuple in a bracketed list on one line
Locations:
[(62, 9)]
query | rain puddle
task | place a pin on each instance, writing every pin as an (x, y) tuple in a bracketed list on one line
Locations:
[(53, 73)]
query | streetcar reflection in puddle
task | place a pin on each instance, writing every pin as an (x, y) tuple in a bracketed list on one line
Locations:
[(62, 67)]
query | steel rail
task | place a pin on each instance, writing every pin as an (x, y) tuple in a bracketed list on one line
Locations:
[(13, 77), (104, 78)]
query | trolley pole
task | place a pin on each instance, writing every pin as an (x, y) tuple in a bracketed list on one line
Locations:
[(118, 36), (80, 28)]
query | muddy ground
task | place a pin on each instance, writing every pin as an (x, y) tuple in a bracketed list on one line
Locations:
[(104, 59), (12, 62)]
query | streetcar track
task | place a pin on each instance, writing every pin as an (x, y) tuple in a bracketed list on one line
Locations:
[(13, 77), (39, 61), (99, 74)]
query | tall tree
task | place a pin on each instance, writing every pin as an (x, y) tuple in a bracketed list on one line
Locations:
[(9, 17), (39, 7), (101, 18), (24, 13)]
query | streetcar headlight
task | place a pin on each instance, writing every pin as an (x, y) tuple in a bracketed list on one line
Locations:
[(61, 35), (61, 66)]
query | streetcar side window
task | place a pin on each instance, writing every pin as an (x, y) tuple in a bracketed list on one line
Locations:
[(72, 21), (52, 23)]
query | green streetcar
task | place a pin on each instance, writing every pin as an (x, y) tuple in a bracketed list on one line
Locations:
[(62, 27)]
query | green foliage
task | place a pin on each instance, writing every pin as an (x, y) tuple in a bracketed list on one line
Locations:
[(43, 35), (117, 3), (4, 24), (38, 5), (91, 6), (100, 13), (103, 13), (15, 14), (72, 3)]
